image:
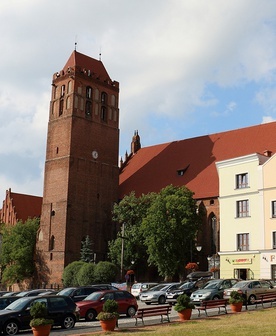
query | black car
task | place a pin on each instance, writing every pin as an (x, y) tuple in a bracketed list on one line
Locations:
[(7, 300), (187, 288), (80, 293), (16, 316)]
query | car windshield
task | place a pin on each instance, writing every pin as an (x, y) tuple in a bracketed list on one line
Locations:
[(212, 284), (93, 296), (161, 287), (18, 304), (187, 285), (66, 291), (240, 284)]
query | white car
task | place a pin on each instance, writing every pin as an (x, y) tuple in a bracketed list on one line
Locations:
[(157, 294), (140, 287)]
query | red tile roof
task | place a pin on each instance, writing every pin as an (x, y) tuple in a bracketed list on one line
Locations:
[(88, 63), (153, 168), (26, 206)]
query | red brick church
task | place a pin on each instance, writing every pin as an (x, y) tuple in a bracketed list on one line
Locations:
[(83, 180)]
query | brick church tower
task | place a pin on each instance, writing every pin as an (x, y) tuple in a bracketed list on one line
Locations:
[(81, 169)]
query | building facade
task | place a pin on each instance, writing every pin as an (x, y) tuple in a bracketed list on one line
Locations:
[(247, 194), (81, 169)]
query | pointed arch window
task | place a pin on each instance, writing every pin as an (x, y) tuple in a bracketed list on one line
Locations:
[(88, 108), (61, 104), (52, 243), (104, 98), (62, 91), (89, 92), (103, 113)]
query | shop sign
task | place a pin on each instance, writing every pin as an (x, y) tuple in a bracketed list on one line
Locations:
[(242, 261)]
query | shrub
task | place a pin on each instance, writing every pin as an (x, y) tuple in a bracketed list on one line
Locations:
[(109, 312), (183, 302), (235, 297), (39, 314)]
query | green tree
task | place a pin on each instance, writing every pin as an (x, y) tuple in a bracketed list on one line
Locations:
[(17, 253), (87, 254), (70, 273), (169, 228), (105, 272), (86, 274), (130, 212)]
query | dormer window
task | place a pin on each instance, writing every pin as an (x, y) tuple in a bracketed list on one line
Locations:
[(181, 172)]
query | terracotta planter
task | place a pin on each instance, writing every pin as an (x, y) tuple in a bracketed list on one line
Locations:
[(108, 325), (185, 314), (236, 307), (43, 330)]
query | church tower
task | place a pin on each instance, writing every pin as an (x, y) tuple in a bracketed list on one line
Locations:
[(81, 169)]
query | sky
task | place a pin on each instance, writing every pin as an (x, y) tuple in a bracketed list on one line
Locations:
[(186, 68)]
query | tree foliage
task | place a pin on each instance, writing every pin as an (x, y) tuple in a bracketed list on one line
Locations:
[(105, 272), (86, 274), (130, 211), (17, 254), (70, 273), (169, 228), (87, 254)]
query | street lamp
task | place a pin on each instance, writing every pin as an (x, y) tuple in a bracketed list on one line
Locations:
[(199, 248)]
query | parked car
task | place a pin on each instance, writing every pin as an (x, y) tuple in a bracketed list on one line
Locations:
[(92, 305), (33, 292), (16, 316), (140, 287), (7, 300), (157, 294), (187, 288), (212, 290), (80, 293), (251, 289)]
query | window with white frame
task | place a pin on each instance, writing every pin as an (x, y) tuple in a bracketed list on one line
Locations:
[(243, 208), (242, 181), (273, 209), (274, 239), (243, 241)]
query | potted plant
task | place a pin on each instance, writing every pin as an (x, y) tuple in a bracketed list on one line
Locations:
[(184, 307), (40, 323), (236, 301), (108, 317)]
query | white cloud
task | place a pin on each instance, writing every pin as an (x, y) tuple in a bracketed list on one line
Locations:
[(169, 56)]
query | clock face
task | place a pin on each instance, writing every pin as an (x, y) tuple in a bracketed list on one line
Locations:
[(95, 154)]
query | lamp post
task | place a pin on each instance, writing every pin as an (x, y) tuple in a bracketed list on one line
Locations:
[(122, 252)]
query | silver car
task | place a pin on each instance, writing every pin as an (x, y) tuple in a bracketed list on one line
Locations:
[(250, 289), (157, 294), (212, 290)]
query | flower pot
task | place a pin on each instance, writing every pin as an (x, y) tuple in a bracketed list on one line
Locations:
[(185, 314), (42, 330), (108, 325), (236, 307)]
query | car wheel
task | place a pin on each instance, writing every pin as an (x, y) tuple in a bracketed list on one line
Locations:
[(68, 322), (216, 297), (131, 311), (90, 315), (251, 299), (162, 300), (11, 328)]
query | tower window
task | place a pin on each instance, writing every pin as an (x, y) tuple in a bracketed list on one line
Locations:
[(88, 92), (52, 243), (68, 102), (69, 87), (62, 92), (104, 98), (103, 113), (61, 103), (88, 107)]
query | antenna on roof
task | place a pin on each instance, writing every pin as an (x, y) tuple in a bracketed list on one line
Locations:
[(100, 55), (76, 43)]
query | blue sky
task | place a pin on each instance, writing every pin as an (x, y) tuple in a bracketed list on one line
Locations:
[(186, 68)]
